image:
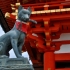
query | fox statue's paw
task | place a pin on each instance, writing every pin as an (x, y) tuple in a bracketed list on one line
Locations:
[(25, 59), (20, 56)]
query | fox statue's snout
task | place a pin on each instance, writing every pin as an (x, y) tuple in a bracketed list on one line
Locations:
[(24, 14), (26, 18)]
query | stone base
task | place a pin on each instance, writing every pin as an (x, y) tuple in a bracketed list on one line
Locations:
[(15, 64)]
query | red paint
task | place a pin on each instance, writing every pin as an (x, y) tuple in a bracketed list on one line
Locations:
[(22, 26), (49, 61), (60, 57)]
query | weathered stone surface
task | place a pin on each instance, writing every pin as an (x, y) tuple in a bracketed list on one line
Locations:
[(15, 64)]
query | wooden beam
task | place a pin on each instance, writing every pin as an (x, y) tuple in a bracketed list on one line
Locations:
[(63, 69), (62, 57)]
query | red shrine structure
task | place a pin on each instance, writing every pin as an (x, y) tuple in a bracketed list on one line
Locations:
[(53, 17)]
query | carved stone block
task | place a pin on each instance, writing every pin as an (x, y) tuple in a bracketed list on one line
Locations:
[(15, 64)]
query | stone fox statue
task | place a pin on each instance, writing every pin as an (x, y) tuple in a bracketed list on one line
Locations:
[(16, 36)]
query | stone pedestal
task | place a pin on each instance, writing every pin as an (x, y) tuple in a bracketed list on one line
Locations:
[(15, 64)]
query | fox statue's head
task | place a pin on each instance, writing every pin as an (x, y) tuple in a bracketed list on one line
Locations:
[(24, 14)]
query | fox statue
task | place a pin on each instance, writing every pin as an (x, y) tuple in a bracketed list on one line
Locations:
[(14, 39)]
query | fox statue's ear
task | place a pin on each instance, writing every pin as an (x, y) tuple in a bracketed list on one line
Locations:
[(29, 9), (20, 8)]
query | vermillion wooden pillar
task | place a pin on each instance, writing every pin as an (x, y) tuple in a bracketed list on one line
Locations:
[(49, 61), (49, 56)]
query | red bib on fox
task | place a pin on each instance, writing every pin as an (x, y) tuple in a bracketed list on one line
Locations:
[(22, 26)]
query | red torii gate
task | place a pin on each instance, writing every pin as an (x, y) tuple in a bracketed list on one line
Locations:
[(53, 20)]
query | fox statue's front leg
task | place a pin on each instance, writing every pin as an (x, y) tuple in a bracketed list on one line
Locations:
[(14, 43), (14, 46), (20, 47)]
